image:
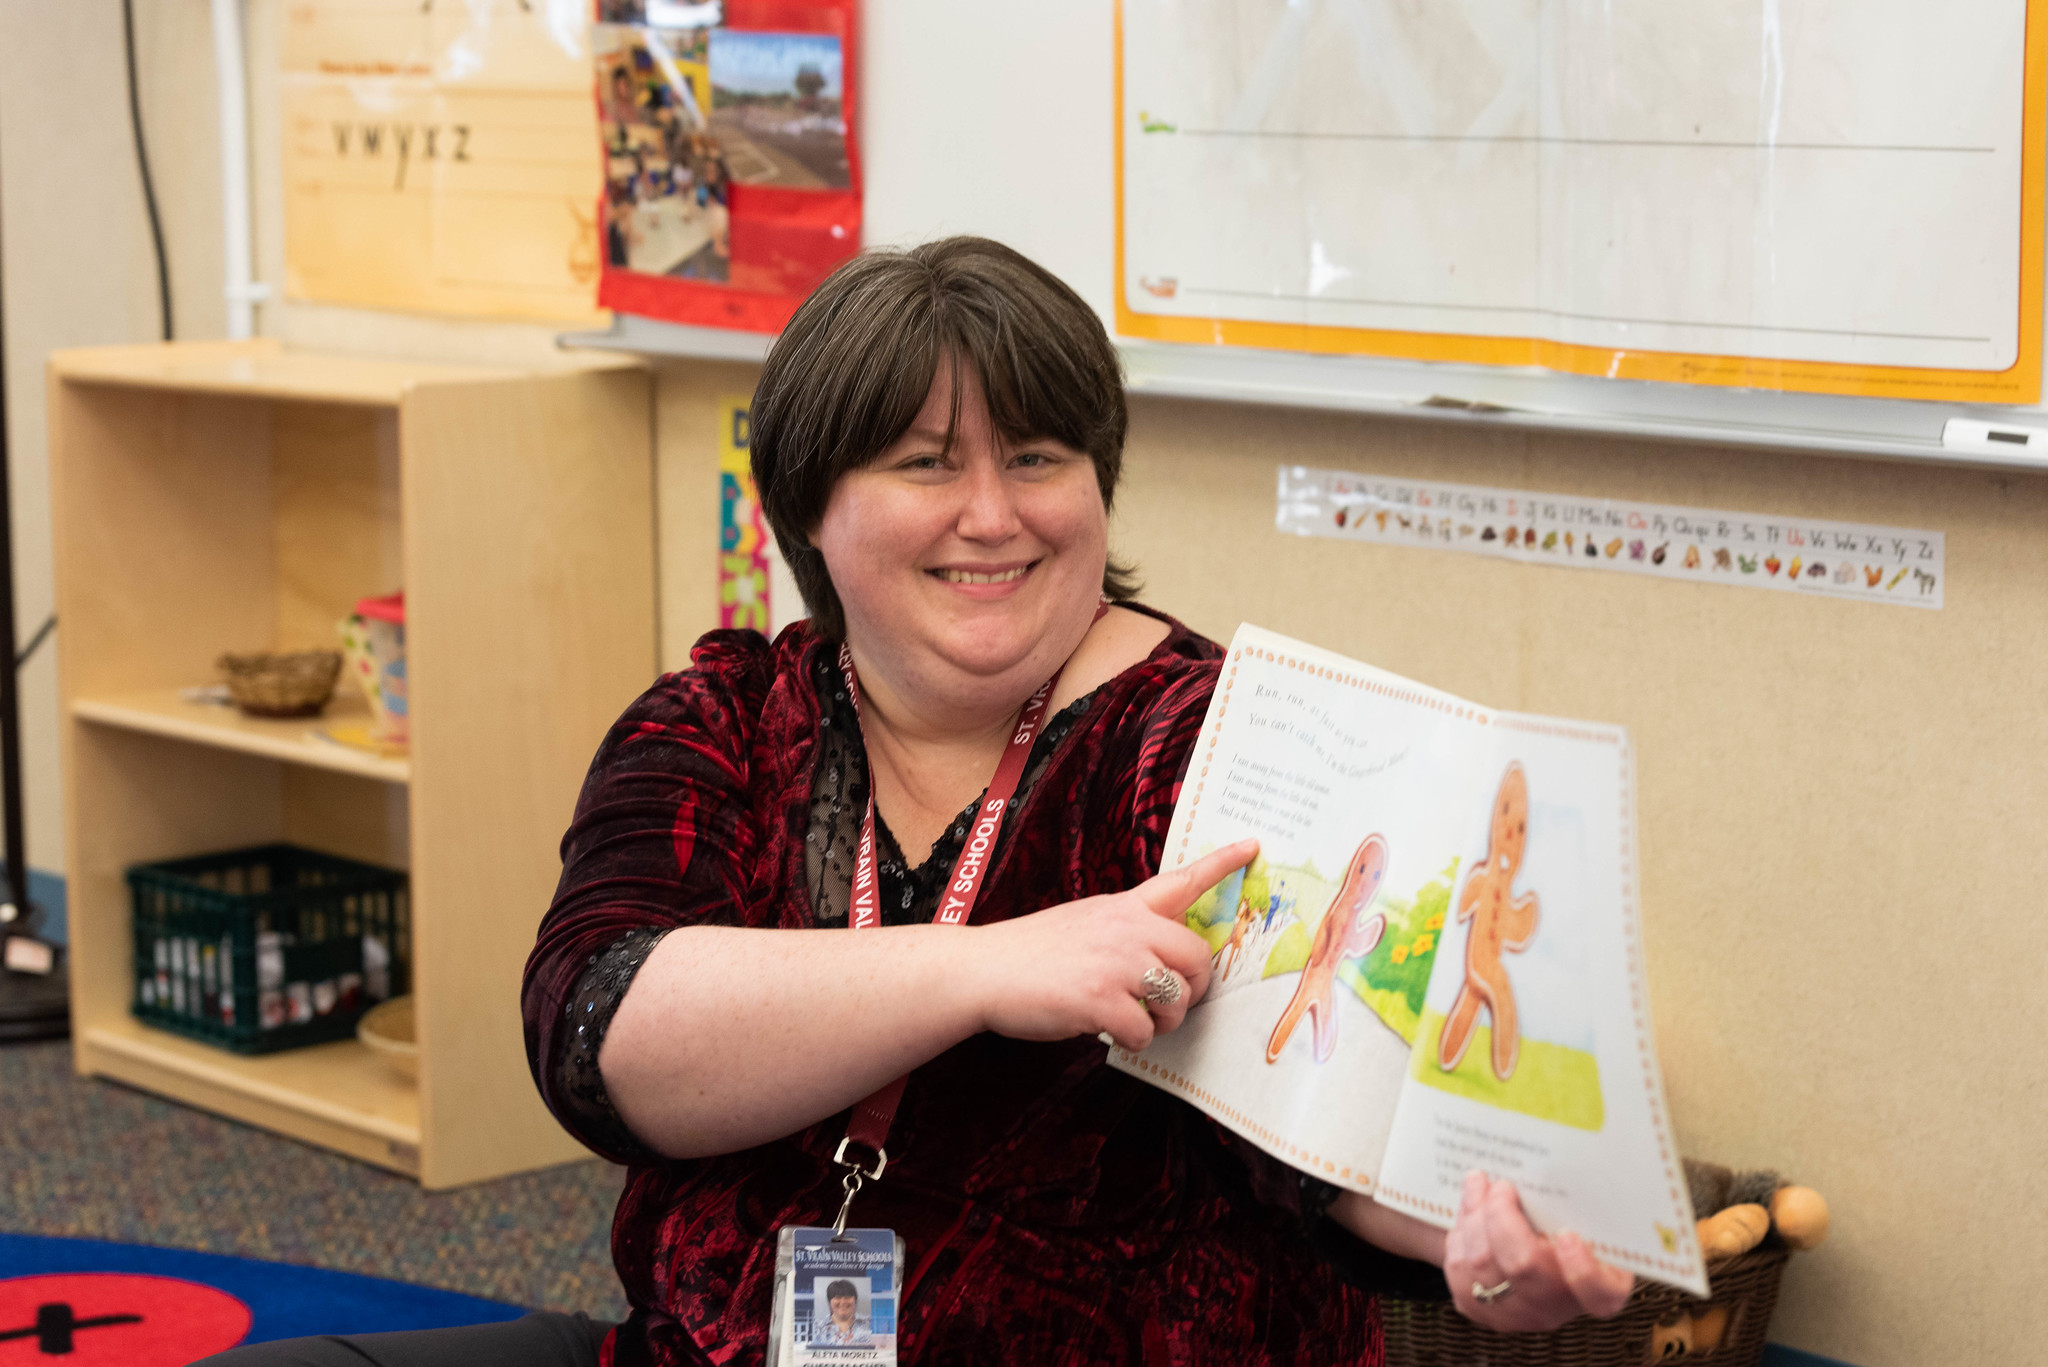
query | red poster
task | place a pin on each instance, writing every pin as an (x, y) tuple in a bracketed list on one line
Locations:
[(732, 183)]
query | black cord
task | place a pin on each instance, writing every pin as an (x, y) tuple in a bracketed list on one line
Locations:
[(42, 634), (156, 227)]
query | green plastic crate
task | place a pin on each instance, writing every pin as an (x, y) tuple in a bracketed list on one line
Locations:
[(267, 948)]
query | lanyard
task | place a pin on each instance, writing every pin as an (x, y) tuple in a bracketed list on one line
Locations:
[(871, 1118)]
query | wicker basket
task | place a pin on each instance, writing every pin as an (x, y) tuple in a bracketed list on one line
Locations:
[(1658, 1325), (294, 685)]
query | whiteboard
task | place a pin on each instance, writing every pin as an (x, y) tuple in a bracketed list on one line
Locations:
[(1820, 197), (999, 120)]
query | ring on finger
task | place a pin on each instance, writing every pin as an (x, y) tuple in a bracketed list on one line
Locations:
[(1487, 1295), (1163, 987)]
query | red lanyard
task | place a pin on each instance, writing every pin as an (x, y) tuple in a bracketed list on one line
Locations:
[(864, 909), (871, 1119)]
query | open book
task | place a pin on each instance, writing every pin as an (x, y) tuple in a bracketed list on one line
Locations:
[(1435, 964)]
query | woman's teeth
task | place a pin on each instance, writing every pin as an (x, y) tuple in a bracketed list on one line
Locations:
[(970, 577)]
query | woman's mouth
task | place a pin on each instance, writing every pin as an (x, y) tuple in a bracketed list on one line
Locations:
[(952, 576)]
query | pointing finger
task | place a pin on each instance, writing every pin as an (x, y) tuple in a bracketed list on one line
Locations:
[(1173, 892)]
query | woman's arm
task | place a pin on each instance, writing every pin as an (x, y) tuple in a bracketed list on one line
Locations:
[(1550, 1279), (731, 1037)]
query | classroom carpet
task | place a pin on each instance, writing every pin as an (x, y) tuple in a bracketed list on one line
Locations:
[(91, 1302), (92, 1160), (87, 1159)]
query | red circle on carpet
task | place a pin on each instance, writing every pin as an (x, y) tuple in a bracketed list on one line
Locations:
[(115, 1319)]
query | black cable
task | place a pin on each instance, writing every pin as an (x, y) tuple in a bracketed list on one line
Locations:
[(13, 833), (156, 227), (42, 634)]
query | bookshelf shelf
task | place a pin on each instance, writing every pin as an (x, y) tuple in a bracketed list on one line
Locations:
[(165, 712)]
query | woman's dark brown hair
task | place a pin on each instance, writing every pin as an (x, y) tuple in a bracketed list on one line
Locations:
[(853, 368)]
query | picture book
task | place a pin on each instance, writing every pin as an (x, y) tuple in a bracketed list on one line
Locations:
[(1435, 962)]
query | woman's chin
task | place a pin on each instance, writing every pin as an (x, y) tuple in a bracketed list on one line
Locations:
[(988, 642)]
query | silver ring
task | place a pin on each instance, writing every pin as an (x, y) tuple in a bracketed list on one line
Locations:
[(1487, 1295), (1162, 986)]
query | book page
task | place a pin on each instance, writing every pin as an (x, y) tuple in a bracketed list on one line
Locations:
[(1534, 1059), (1351, 778)]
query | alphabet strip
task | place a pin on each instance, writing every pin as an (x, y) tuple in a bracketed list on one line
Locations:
[(1899, 565)]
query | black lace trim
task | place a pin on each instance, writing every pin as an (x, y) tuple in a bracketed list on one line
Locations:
[(578, 1083), (839, 799)]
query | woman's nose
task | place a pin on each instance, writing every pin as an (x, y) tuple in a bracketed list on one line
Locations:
[(987, 513)]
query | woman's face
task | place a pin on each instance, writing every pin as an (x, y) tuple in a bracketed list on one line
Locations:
[(978, 564)]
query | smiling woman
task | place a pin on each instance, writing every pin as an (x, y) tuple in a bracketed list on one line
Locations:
[(803, 941)]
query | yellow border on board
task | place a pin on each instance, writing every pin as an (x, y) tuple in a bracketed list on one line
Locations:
[(2018, 384)]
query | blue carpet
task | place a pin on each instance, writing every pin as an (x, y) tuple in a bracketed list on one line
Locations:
[(1778, 1355), (283, 1300)]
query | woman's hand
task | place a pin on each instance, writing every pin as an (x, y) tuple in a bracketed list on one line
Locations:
[(1079, 968), (1549, 1279)]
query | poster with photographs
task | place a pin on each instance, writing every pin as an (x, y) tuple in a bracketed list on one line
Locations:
[(665, 209), (777, 108), (732, 183)]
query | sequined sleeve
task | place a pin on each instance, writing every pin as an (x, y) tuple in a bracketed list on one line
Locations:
[(580, 1095), (662, 838)]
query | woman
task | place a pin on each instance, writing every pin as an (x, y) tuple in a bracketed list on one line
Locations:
[(937, 437)]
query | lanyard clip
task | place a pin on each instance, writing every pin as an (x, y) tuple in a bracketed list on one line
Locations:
[(881, 1160), (853, 1181)]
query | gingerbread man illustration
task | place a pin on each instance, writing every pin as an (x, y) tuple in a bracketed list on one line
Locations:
[(1501, 923), (1346, 932)]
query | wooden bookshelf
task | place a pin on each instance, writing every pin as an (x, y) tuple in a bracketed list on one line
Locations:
[(210, 497), (166, 712)]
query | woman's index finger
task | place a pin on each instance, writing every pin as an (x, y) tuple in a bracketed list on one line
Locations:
[(1171, 893)]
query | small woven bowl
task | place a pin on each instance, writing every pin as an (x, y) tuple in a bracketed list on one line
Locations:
[(388, 1029), (292, 685)]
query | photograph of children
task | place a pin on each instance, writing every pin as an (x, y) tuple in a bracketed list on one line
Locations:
[(776, 109), (665, 177)]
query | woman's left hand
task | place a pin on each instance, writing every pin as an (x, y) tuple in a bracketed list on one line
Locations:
[(1548, 1279)]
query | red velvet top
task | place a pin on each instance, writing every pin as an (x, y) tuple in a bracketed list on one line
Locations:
[(1056, 1211)]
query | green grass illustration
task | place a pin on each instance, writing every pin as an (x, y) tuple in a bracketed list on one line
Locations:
[(1550, 1082), (1392, 978), (1290, 952)]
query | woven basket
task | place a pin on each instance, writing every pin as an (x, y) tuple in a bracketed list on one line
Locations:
[(1657, 1326), (294, 685)]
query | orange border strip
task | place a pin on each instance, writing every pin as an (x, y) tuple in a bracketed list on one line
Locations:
[(2018, 384)]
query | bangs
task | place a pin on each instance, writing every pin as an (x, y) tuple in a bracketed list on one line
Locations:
[(887, 351)]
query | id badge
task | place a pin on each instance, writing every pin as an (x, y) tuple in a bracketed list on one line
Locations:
[(835, 1299)]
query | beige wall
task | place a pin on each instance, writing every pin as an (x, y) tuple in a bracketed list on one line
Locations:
[(1843, 805), (78, 265)]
